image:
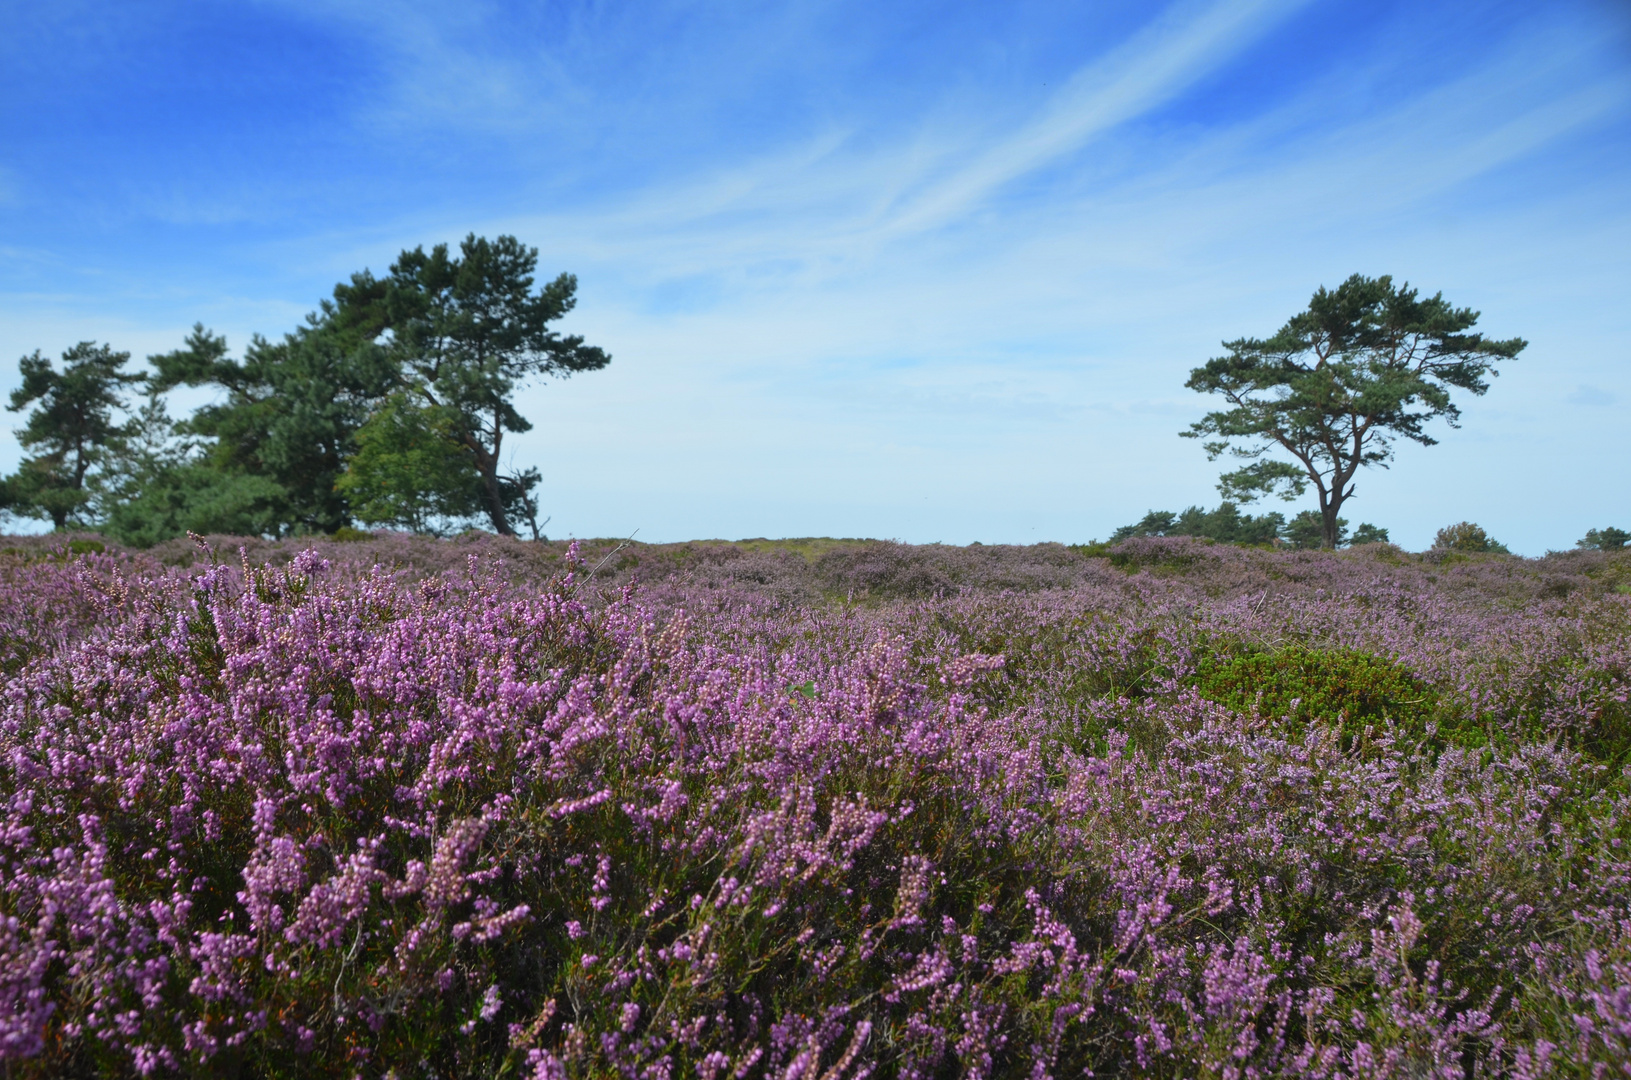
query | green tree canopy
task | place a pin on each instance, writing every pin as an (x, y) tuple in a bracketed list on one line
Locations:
[(1369, 534), (1367, 363), (289, 419), (1225, 524), (1609, 539), (411, 469), (1306, 530), (465, 332), (155, 484), (69, 429), (389, 405)]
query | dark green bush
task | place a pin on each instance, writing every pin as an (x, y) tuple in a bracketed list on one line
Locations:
[(1466, 537), (1304, 685)]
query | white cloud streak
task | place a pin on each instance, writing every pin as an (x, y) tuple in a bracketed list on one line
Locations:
[(1182, 47)]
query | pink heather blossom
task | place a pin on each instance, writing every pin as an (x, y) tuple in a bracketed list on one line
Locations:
[(412, 807)]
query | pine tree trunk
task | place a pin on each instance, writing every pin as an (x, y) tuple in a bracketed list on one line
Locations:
[(495, 504), (487, 466), (1328, 525)]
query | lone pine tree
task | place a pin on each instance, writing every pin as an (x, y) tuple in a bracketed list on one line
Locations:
[(1367, 363)]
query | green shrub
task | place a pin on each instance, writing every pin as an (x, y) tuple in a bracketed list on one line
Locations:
[(1303, 685), (1466, 537)]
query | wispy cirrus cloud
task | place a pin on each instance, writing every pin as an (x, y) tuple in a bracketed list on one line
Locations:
[(826, 208), (1182, 47)]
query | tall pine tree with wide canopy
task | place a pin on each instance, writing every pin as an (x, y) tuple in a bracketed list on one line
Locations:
[(69, 430), (1366, 364), (464, 332)]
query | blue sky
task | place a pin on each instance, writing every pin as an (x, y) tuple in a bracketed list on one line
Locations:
[(911, 270)]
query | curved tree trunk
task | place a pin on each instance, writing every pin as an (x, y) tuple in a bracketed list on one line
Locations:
[(492, 496), (495, 504)]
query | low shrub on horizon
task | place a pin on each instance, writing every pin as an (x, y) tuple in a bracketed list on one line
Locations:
[(1466, 538)]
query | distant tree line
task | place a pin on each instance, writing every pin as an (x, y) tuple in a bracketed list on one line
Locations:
[(1226, 524), (1467, 537), (1609, 539), (388, 406)]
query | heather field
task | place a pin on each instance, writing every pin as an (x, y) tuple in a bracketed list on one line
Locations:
[(813, 810)]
